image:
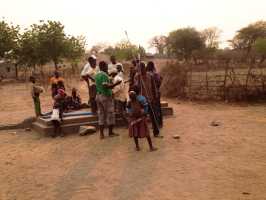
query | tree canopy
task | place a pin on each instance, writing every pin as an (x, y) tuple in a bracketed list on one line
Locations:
[(125, 50), (8, 38), (183, 42)]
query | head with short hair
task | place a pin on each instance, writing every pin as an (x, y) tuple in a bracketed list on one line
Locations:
[(150, 66), (113, 59), (103, 66), (32, 79), (134, 63), (119, 67), (92, 60), (142, 68), (56, 74)]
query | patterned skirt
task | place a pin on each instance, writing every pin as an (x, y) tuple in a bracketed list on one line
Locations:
[(138, 127)]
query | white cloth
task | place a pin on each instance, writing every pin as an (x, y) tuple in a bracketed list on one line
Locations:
[(55, 115), (119, 91), (88, 70), (111, 68)]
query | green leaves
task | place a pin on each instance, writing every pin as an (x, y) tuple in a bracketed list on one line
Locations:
[(8, 39), (260, 46), (125, 50), (183, 42), (40, 44)]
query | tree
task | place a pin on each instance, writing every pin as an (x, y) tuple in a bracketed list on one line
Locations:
[(8, 38), (53, 41), (183, 42), (124, 50), (159, 43), (211, 37), (75, 49), (260, 48), (30, 52), (98, 48), (247, 36)]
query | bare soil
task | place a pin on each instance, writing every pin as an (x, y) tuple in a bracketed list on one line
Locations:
[(226, 162)]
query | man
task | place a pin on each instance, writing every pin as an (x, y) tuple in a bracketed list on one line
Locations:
[(35, 94), (157, 79), (119, 93), (112, 67), (132, 73), (144, 82), (104, 100), (88, 74)]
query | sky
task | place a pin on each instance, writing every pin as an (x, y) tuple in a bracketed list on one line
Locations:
[(105, 21)]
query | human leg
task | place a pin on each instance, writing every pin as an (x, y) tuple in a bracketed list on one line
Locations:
[(101, 115), (136, 143), (152, 148), (154, 121), (37, 106), (110, 115)]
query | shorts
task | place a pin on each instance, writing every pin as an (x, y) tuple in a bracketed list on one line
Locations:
[(106, 112)]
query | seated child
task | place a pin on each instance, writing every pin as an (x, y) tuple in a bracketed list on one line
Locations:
[(73, 102), (138, 126), (57, 114)]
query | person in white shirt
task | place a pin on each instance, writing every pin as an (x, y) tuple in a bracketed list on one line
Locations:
[(119, 93), (112, 65), (88, 74)]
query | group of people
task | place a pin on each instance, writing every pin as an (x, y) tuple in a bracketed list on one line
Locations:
[(109, 95), (136, 102)]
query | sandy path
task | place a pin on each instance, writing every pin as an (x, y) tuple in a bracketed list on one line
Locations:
[(207, 163)]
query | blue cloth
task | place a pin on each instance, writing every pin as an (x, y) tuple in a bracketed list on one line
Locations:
[(144, 103)]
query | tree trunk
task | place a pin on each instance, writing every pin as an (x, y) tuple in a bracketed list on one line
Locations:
[(16, 71), (55, 65)]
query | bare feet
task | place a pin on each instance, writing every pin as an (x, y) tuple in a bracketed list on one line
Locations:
[(101, 136), (158, 136), (113, 135), (153, 149)]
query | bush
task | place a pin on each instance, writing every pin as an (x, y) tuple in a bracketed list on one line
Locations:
[(174, 80)]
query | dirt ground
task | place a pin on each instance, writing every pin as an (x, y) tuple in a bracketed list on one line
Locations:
[(227, 162)]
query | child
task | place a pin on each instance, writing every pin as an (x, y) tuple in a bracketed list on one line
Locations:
[(35, 93), (138, 127), (57, 115), (74, 100)]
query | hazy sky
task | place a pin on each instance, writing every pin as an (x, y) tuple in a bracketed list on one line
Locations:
[(106, 20)]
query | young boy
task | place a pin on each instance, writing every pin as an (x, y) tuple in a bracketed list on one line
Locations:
[(35, 93), (138, 126)]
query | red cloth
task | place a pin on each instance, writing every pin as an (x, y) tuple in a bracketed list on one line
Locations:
[(139, 127)]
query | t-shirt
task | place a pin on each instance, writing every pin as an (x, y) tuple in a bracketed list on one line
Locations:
[(88, 70), (119, 90), (101, 78), (36, 90), (111, 68)]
